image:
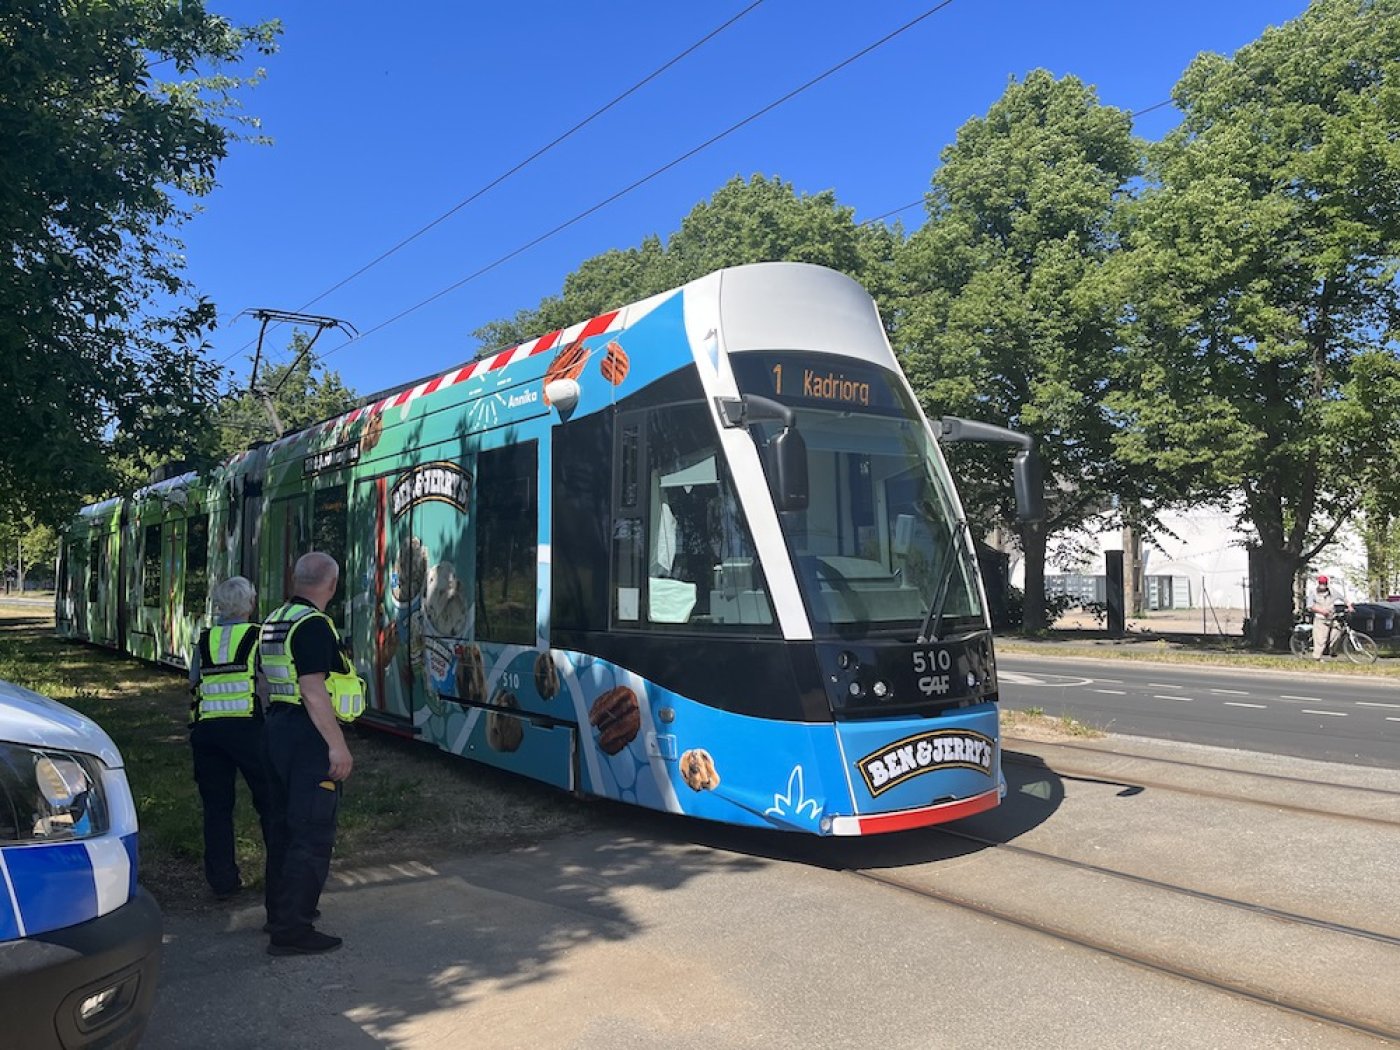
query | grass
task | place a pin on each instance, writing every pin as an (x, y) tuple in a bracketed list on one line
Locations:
[(1033, 723), (404, 799)]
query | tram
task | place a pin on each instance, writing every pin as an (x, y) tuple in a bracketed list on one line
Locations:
[(701, 554)]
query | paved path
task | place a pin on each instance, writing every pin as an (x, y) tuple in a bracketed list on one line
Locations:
[(668, 934)]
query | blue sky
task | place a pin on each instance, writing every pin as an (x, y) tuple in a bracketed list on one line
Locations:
[(386, 116)]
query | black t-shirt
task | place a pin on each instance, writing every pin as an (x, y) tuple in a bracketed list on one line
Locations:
[(315, 647)]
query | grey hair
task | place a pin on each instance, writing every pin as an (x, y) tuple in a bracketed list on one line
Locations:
[(233, 599), (314, 570)]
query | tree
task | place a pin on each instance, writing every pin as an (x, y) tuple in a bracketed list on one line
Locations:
[(1008, 314), (759, 220), (97, 323), (303, 392), (1262, 328)]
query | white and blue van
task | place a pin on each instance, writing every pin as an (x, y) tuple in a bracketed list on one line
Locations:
[(79, 939)]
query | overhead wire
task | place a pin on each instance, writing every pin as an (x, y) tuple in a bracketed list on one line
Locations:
[(644, 179), (517, 169)]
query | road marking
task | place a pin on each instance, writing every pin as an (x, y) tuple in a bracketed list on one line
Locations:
[(1371, 703), (1114, 692), (1334, 714), (1231, 692), (1312, 699), (1187, 699), (1236, 703), (1388, 718), (1110, 681), (1163, 685)]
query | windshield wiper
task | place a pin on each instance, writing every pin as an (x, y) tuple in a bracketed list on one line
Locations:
[(940, 594)]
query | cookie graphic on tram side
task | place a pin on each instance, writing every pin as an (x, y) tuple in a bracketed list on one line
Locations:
[(504, 732), (698, 770), (388, 645), (567, 364), (369, 437), (410, 570), (617, 718), (546, 677), (471, 674), (615, 363)]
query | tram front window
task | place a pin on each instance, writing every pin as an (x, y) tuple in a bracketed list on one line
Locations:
[(878, 536)]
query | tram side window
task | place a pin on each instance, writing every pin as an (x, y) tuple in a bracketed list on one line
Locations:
[(581, 487), (702, 569), (329, 532), (150, 567), (94, 566), (507, 524), (197, 565)]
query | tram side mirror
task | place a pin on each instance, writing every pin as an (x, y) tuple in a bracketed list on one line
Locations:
[(785, 455), (787, 469), (1029, 486), (1025, 469)]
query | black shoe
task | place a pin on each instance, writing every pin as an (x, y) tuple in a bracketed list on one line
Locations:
[(228, 895), (312, 942), (267, 926)]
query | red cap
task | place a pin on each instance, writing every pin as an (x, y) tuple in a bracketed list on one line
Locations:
[(1322, 579)]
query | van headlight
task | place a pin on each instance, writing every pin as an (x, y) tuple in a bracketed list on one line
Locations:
[(47, 795)]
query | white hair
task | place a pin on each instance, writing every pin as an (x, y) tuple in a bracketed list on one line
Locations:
[(314, 570), (234, 599)]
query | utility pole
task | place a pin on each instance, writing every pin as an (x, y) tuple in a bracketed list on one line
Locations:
[(265, 315)]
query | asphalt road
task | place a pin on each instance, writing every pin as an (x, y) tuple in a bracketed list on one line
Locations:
[(1307, 714)]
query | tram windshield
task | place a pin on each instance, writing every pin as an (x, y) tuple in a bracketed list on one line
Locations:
[(878, 548)]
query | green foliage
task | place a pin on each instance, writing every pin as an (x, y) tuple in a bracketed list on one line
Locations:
[(100, 161), (760, 220), (1007, 313), (1262, 278)]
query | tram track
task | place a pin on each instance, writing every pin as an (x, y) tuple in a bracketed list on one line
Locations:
[(1146, 960), (1362, 793)]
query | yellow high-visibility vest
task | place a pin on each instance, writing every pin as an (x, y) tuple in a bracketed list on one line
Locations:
[(346, 689), (228, 655)]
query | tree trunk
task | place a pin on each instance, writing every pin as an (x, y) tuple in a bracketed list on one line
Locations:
[(1271, 598), (1033, 604)]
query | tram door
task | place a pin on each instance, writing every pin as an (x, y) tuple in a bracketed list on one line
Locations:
[(388, 581)]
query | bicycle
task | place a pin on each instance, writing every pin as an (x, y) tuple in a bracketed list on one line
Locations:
[(1356, 646)]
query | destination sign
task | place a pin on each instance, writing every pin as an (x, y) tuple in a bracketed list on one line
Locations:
[(819, 380), (332, 458)]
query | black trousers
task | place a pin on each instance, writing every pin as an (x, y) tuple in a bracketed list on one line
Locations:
[(223, 748), (305, 804)]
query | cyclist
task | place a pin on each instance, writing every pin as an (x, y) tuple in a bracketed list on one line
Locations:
[(1323, 603)]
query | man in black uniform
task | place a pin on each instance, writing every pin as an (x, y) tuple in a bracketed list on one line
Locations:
[(307, 751)]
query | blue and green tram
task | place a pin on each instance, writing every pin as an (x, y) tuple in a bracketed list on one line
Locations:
[(701, 554)]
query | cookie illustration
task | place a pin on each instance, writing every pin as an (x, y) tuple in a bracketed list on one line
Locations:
[(369, 437), (410, 570), (615, 364), (567, 364), (698, 770), (471, 674), (617, 717), (546, 677), (504, 732)]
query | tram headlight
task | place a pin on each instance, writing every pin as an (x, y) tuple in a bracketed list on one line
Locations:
[(856, 690), (881, 690), (846, 660)]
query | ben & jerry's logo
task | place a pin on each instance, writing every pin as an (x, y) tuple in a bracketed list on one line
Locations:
[(441, 481), (941, 749)]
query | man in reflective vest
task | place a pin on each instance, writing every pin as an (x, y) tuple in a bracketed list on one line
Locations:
[(307, 751), (226, 729)]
